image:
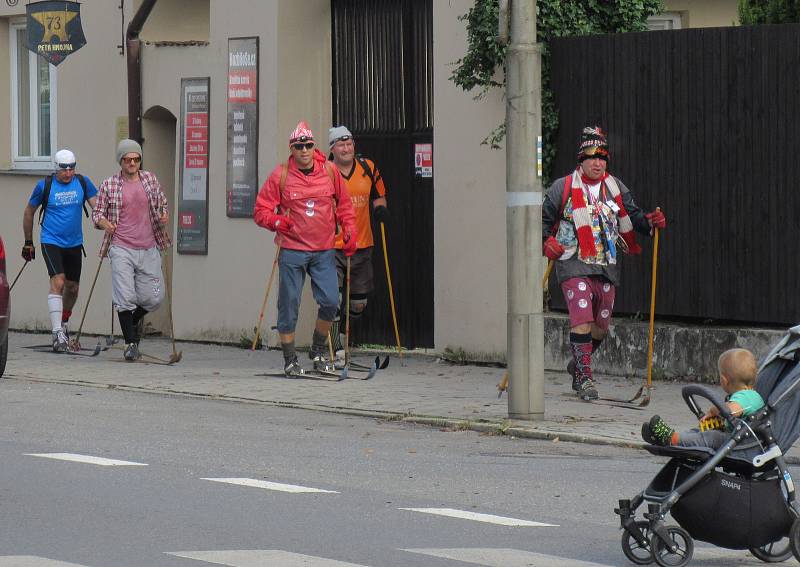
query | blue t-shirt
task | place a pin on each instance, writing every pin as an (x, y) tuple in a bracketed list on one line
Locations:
[(63, 218)]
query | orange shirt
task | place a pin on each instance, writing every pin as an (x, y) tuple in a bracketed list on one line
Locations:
[(359, 186)]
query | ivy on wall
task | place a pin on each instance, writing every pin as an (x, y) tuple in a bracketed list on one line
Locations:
[(485, 57), (769, 11)]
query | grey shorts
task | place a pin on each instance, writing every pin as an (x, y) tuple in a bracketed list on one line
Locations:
[(136, 278), (360, 270)]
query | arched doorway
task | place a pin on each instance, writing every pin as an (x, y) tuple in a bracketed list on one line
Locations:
[(159, 130)]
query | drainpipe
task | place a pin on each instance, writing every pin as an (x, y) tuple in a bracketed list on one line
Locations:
[(135, 70)]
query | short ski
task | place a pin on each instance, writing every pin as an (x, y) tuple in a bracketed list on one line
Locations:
[(603, 402), (366, 374), (148, 359), (377, 364), (89, 352), (308, 375)]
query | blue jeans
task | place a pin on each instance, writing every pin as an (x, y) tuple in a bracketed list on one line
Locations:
[(292, 267)]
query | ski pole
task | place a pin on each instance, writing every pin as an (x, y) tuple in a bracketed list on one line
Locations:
[(18, 275), (175, 356), (347, 318), (547, 273), (266, 297), (391, 293), (76, 342)]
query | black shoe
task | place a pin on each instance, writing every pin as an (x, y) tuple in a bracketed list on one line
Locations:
[(587, 391), (293, 368), (657, 432), (576, 384)]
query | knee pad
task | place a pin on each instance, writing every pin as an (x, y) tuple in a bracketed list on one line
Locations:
[(358, 303)]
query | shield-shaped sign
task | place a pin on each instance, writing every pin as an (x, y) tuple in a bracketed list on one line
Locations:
[(54, 29)]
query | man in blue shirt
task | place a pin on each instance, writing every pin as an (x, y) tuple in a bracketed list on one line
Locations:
[(61, 237)]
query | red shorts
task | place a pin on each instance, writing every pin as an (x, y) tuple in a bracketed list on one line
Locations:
[(589, 300)]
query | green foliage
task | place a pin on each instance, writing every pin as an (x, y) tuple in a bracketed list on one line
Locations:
[(555, 18), (752, 12)]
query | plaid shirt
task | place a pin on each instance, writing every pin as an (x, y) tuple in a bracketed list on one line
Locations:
[(109, 203)]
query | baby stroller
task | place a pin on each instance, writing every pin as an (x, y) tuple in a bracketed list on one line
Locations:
[(740, 496)]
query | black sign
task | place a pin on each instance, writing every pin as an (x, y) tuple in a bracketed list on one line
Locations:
[(242, 186), (54, 29), (193, 202)]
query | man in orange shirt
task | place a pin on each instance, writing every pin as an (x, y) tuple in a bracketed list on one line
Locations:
[(368, 193)]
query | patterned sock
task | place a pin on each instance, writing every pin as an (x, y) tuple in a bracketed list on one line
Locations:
[(289, 353), (318, 343), (335, 336), (581, 345)]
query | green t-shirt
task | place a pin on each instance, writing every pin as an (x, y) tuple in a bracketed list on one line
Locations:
[(750, 400)]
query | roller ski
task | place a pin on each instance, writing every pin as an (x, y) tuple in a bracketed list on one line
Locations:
[(322, 370), (586, 391), (131, 353)]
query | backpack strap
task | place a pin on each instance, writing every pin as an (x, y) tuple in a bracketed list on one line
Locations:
[(373, 191), (82, 181), (48, 182), (564, 199)]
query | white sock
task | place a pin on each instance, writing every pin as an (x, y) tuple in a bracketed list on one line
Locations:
[(56, 305)]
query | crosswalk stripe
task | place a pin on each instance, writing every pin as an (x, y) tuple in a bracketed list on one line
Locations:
[(292, 488), (32, 561), (504, 557), (261, 557), (476, 517), (86, 459)]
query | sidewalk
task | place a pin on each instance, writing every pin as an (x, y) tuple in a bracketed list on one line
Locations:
[(424, 391)]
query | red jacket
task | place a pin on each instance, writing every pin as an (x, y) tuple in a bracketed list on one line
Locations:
[(312, 202)]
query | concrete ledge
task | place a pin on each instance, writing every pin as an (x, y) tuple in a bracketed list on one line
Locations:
[(679, 351)]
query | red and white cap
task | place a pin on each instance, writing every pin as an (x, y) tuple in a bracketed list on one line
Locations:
[(301, 133)]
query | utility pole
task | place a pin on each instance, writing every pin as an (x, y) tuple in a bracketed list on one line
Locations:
[(525, 350)]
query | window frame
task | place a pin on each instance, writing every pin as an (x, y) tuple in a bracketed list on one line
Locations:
[(665, 21), (30, 162)]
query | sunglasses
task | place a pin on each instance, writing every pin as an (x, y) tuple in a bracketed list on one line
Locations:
[(135, 159), (595, 151), (299, 147), (66, 165), (343, 139)]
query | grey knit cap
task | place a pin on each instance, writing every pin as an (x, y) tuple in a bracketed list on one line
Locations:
[(127, 147), (337, 132)]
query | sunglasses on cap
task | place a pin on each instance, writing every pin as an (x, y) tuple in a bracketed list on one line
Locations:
[(66, 165), (342, 139), (595, 151), (134, 159), (307, 146)]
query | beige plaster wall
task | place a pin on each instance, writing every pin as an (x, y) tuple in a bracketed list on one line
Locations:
[(469, 217), (178, 20), (704, 13)]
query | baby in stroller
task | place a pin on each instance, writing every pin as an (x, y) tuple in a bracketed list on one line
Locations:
[(737, 377), (735, 490)]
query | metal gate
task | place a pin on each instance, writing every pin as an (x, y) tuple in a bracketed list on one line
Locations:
[(383, 92)]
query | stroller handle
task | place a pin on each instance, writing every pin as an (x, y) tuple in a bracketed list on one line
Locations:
[(690, 391)]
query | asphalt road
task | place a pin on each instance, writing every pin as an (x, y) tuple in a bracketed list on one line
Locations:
[(292, 487)]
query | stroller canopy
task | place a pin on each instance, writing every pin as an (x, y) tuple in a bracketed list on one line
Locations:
[(779, 384)]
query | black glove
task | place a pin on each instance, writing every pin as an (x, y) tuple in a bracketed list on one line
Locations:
[(29, 251), (381, 214)]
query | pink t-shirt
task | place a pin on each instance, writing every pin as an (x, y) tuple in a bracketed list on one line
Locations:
[(134, 230)]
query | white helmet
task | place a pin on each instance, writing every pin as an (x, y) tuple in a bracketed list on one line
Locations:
[(64, 156)]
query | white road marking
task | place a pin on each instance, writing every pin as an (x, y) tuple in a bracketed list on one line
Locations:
[(266, 485), (32, 561), (86, 459), (476, 517), (502, 557), (260, 558)]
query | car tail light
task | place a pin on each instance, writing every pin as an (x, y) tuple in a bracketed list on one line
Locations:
[(2, 257)]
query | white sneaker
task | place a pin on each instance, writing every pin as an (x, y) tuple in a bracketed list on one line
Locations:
[(60, 341)]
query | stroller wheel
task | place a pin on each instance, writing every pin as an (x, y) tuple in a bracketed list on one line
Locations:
[(794, 538), (682, 554), (775, 552), (635, 551)]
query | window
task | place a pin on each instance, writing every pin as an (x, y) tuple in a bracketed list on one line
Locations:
[(33, 104), (665, 21)]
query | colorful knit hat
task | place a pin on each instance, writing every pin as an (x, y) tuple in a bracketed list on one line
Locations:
[(593, 144), (301, 133)]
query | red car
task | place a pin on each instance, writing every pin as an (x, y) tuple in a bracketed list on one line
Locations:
[(5, 309)]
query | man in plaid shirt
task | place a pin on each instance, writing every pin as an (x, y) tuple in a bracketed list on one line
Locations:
[(132, 210)]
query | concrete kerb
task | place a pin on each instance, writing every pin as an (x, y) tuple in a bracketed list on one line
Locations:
[(478, 426)]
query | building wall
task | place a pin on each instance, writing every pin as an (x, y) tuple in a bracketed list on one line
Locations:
[(705, 13), (470, 263)]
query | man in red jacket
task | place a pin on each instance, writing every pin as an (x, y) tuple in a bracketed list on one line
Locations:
[(304, 201)]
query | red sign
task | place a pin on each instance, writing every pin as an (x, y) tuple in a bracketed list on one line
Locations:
[(197, 119), (196, 134), (242, 86), (186, 220), (200, 162), (197, 148)]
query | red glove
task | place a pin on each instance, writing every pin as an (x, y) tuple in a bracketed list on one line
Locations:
[(282, 224), (552, 248), (350, 244), (656, 219)]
